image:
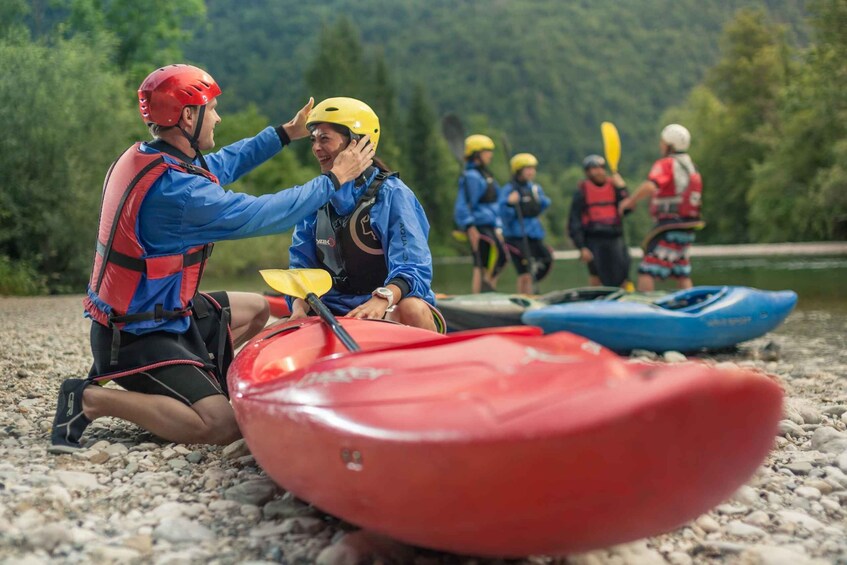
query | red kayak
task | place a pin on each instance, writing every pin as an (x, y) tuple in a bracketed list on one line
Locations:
[(278, 304), (497, 443)]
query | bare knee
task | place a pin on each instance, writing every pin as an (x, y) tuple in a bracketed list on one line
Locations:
[(414, 312), (219, 426), (250, 313)]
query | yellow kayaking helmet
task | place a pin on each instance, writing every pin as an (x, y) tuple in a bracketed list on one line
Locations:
[(476, 143), (353, 114), (522, 160)]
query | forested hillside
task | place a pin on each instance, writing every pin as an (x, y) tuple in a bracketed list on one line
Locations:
[(547, 72), (760, 85)]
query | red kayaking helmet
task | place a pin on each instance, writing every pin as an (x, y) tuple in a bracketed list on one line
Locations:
[(166, 91)]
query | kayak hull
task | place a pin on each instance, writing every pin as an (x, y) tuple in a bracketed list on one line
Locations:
[(495, 309), (714, 318), (553, 445), (278, 305)]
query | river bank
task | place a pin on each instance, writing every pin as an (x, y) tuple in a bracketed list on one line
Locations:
[(130, 498)]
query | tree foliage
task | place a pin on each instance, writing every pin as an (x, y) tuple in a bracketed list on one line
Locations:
[(769, 134), (59, 142)]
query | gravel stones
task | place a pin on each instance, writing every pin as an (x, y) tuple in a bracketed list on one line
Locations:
[(131, 498)]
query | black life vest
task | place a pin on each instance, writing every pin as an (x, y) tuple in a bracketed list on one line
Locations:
[(348, 247), (530, 199)]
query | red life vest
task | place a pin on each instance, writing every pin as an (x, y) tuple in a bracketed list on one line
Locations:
[(601, 205), (680, 189), (121, 261)]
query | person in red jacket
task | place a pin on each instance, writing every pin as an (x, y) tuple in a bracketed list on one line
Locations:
[(595, 225), (675, 188)]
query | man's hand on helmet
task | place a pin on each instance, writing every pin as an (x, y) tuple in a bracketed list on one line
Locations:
[(296, 126)]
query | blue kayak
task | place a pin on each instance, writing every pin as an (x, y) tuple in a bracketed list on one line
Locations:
[(703, 317)]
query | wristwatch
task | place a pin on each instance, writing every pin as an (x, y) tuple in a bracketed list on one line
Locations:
[(385, 292)]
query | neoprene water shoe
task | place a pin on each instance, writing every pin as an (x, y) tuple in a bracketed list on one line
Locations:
[(69, 422)]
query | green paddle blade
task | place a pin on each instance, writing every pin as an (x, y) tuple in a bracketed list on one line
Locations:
[(611, 145), (298, 282)]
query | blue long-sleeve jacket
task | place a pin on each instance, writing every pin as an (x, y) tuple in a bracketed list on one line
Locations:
[(509, 214), (400, 224), (182, 210), (468, 210)]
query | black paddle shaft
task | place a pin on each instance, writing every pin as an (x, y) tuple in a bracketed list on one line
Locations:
[(336, 327)]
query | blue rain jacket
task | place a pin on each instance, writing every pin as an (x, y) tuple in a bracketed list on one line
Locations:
[(398, 220), (182, 210), (468, 210)]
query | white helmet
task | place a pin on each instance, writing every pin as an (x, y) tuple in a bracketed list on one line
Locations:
[(677, 136)]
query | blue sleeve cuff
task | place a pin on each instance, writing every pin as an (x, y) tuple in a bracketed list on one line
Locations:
[(401, 283)]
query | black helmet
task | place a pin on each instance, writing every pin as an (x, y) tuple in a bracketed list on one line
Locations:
[(593, 161)]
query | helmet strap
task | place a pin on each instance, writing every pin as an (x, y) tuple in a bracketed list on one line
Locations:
[(194, 139)]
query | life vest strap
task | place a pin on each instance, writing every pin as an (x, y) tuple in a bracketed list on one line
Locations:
[(140, 265), (158, 314)]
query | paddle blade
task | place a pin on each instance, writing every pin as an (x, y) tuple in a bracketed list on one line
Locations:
[(454, 133), (298, 282), (611, 145)]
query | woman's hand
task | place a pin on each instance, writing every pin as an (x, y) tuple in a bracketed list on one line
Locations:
[(354, 160), (514, 197), (585, 255), (373, 309), (296, 127), (299, 309)]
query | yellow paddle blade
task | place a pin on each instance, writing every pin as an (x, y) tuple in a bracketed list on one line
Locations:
[(459, 235), (611, 145), (298, 282)]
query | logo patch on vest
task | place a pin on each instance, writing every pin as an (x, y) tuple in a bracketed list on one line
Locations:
[(363, 233), (328, 242)]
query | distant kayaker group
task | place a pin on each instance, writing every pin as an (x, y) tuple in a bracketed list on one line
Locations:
[(504, 222)]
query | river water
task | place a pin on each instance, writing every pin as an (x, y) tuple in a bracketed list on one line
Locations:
[(819, 281)]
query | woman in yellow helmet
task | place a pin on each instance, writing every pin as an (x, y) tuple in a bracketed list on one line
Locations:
[(477, 212), (521, 202), (372, 234)]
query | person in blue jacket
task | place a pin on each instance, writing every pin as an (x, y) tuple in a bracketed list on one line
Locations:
[(477, 213), (521, 203), (372, 234), (163, 205)]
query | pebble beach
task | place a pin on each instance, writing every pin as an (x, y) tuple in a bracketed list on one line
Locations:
[(129, 497)]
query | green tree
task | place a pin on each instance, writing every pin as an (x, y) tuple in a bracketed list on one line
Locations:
[(66, 115), (730, 115), (800, 187), (338, 68), (431, 172), (12, 13), (147, 35)]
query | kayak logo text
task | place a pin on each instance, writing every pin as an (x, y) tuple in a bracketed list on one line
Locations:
[(345, 375)]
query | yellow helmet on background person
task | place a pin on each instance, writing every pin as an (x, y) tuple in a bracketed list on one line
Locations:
[(353, 114), (476, 143), (521, 161)]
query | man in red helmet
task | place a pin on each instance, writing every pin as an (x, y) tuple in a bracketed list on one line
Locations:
[(163, 206)]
